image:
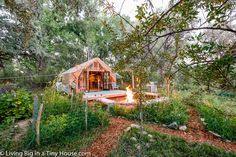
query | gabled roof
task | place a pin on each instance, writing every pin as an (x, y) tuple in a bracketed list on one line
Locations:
[(85, 65)]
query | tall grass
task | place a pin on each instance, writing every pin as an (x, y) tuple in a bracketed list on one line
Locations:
[(218, 112)]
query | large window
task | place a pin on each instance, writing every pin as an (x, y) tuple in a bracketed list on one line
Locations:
[(106, 80)]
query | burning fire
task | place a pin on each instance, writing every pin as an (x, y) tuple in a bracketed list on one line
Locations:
[(129, 95)]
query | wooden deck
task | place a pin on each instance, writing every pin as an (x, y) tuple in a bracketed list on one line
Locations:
[(104, 94)]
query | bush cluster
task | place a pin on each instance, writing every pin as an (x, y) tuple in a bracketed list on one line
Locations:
[(167, 112), (64, 117), (58, 127), (15, 105)]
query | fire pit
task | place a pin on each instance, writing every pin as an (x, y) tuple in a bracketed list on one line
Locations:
[(120, 97), (129, 99)]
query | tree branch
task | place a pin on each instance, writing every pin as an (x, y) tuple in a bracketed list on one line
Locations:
[(162, 16), (192, 29), (122, 5)]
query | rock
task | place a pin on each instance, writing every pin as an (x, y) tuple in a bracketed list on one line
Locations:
[(150, 136), (217, 135), (228, 141), (138, 146), (173, 125), (135, 126), (147, 145), (12, 130), (133, 139), (183, 127), (164, 125), (144, 133), (127, 129)]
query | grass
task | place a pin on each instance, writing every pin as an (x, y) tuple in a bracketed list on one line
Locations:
[(153, 144), (218, 112), (225, 104), (218, 123), (74, 143), (164, 112)]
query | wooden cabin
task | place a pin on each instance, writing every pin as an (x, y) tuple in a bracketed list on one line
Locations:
[(93, 75)]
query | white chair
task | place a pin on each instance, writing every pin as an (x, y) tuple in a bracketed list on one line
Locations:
[(114, 86)]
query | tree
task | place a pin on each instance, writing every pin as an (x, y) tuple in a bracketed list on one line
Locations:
[(47, 37), (157, 36)]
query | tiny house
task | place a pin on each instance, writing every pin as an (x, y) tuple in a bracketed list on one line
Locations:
[(93, 75)]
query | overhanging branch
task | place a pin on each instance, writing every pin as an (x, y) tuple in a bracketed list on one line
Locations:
[(162, 16), (193, 29)]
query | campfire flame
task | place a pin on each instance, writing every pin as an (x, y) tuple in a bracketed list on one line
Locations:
[(129, 95)]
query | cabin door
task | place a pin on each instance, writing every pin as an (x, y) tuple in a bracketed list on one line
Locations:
[(106, 80)]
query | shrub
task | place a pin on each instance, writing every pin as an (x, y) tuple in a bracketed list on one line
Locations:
[(17, 105), (227, 94), (55, 103), (166, 112), (219, 123), (6, 123)]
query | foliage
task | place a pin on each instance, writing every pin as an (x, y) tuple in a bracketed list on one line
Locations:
[(55, 103), (46, 37), (158, 42), (218, 112), (227, 94), (164, 112), (8, 121), (206, 68), (130, 113), (61, 125), (77, 142), (218, 122), (17, 105), (158, 145)]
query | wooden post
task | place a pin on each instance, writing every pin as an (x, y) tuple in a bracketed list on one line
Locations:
[(70, 82), (38, 124), (132, 72), (77, 79), (87, 80), (71, 100), (168, 86), (86, 114), (35, 111)]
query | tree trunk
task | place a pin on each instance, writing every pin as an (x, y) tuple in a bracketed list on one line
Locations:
[(167, 80)]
